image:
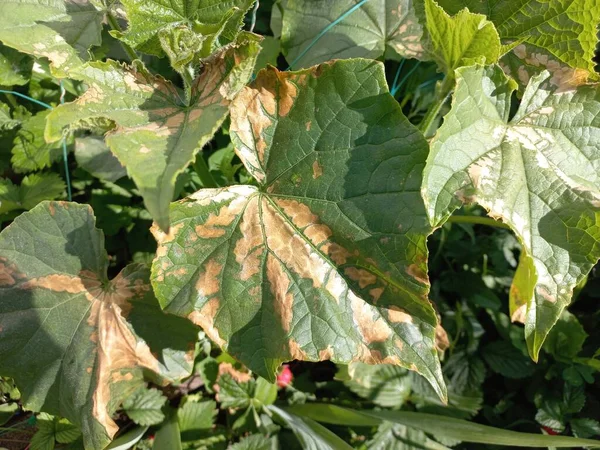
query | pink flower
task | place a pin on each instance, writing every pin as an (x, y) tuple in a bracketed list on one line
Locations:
[(285, 377)]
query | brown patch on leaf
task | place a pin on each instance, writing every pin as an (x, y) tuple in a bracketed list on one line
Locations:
[(317, 170), (205, 318), (280, 284), (208, 281), (362, 276), (237, 375), (215, 225), (399, 315), (545, 293), (371, 325), (441, 339), (375, 294), (326, 354), (250, 248), (296, 351), (415, 271)]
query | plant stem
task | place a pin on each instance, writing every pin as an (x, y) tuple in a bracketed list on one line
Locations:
[(443, 93), (478, 220), (208, 181), (114, 24)]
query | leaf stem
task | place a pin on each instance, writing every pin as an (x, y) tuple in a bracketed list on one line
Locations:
[(443, 93), (478, 220), (114, 24), (207, 179)]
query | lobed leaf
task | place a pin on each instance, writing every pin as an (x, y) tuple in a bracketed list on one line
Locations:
[(538, 172), (556, 35), (327, 257), (34, 189), (383, 28), (157, 133), (75, 342)]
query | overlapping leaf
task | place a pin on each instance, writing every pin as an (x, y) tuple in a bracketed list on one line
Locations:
[(327, 257), (538, 172), (30, 150), (75, 342), (557, 35), (34, 189), (60, 30), (157, 132), (15, 67), (459, 40), (388, 27), (149, 20)]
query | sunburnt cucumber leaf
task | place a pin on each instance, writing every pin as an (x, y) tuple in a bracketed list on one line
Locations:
[(75, 342), (60, 30), (148, 19), (459, 40), (557, 35), (326, 258), (157, 132), (538, 172), (388, 27)]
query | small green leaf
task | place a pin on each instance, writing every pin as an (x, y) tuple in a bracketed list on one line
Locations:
[(6, 120), (7, 410), (94, 156), (196, 415), (505, 359), (566, 339), (53, 429), (461, 39), (551, 415), (61, 31), (326, 258), (585, 428), (144, 406), (127, 440), (376, 29), (254, 442), (75, 342), (383, 384), (34, 189), (15, 67), (233, 393), (538, 172), (157, 133), (31, 151), (168, 436)]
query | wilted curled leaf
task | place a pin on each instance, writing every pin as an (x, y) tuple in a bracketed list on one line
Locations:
[(327, 257), (538, 172), (75, 342), (157, 133)]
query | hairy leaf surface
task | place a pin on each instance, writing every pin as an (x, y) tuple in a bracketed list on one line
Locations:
[(150, 18), (75, 342), (327, 257), (157, 133), (557, 35), (387, 27), (538, 172), (60, 30)]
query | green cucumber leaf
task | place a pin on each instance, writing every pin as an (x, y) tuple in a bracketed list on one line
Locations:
[(326, 258), (383, 28), (30, 150), (75, 342), (556, 35), (148, 19), (459, 40), (34, 189), (144, 406), (60, 30), (157, 134), (15, 67), (538, 172)]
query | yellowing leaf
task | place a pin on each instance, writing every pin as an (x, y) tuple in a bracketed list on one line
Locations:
[(327, 257), (538, 172), (157, 133), (75, 342)]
